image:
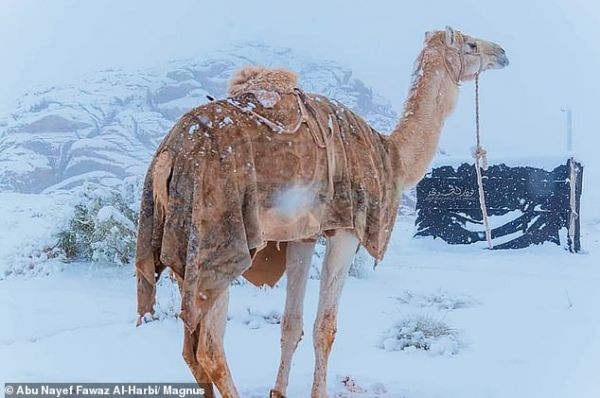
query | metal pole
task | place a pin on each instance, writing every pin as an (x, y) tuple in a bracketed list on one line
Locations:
[(569, 114)]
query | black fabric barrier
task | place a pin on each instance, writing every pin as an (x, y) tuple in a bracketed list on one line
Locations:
[(535, 205)]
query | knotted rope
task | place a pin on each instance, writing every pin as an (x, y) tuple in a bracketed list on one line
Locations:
[(481, 163)]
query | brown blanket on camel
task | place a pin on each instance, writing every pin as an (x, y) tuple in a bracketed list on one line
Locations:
[(236, 177)]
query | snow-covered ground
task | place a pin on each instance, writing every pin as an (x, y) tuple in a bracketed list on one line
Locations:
[(27, 225), (524, 323)]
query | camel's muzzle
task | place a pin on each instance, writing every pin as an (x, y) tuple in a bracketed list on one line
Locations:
[(499, 59)]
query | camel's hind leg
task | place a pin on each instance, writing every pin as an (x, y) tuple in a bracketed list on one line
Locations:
[(190, 347), (340, 250), (298, 260), (210, 352)]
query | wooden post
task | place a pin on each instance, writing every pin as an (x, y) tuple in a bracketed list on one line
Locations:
[(575, 183)]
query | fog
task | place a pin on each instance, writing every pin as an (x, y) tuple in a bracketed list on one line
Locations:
[(552, 46)]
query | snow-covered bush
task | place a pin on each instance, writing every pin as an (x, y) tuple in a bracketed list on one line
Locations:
[(317, 259), (104, 223), (168, 299), (408, 203), (440, 299), (351, 387), (256, 318), (419, 332), (362, 264)]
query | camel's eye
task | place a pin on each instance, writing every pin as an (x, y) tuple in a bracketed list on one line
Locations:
[(472, 46)]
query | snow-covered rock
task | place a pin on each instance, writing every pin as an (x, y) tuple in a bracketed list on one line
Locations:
[(107, 126)]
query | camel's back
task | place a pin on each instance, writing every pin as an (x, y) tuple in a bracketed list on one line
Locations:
[(326, 169)]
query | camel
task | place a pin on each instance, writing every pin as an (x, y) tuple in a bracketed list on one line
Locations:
[(247, 184)]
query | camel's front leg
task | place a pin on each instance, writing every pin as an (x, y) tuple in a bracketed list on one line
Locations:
[(298, 260), (340, 250)]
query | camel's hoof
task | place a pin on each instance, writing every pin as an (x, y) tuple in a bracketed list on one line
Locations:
[(276, 394)]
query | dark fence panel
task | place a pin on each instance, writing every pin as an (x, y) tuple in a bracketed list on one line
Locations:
[(534, 204)]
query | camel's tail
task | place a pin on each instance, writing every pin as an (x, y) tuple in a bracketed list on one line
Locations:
[(155, 198)]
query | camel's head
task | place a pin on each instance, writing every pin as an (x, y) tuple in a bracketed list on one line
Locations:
[(466, 55)]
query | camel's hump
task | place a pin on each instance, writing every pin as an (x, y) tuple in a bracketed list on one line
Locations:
[(251, 79)]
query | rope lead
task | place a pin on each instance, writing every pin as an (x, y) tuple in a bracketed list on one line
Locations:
[(481, 163)]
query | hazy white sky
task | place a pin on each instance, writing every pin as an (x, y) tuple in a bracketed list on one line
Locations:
[(552, 44)]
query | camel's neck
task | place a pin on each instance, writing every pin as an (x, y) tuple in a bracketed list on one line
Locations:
[(432, 97)]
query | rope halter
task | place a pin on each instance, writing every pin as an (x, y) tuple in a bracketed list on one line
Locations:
[(460, 39)]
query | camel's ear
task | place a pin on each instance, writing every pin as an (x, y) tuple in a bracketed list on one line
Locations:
[(449, 36), (428, 35)]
